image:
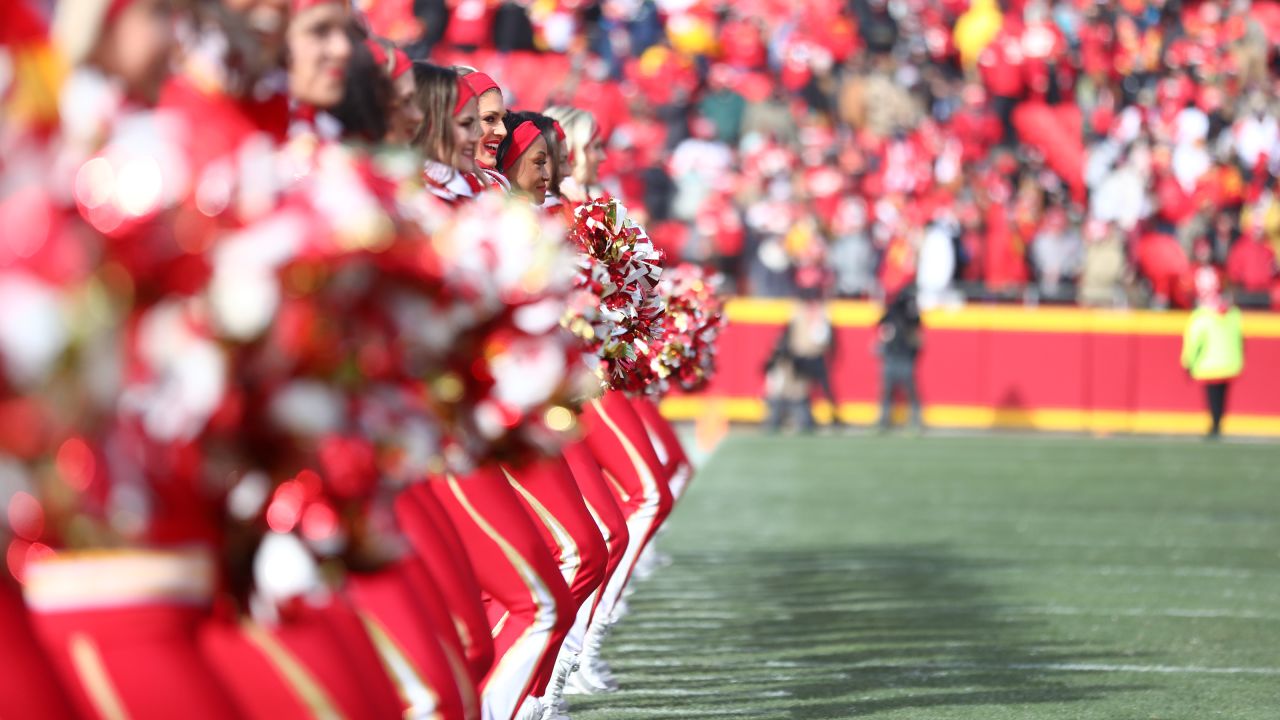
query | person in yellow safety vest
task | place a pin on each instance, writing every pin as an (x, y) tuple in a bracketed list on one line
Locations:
[(1213, 345)]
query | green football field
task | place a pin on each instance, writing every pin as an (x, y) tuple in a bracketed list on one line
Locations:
[(979, 577)]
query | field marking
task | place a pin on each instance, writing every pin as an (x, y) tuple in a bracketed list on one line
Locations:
[(630, 711), (1106, 667), (1150, 612)]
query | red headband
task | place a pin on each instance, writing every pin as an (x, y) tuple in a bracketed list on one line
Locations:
[(481, 83), (396, 64), (400, 63), (378, 52), (563, 138), (525, 134), (465, 93)]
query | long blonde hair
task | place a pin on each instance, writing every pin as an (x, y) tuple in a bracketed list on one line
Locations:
[(436, 95), (580, 128)]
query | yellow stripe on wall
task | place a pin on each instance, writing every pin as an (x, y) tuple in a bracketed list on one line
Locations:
[(741, 409), (1009, 318)]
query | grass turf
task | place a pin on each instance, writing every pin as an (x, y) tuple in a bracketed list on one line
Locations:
[(962, 577)]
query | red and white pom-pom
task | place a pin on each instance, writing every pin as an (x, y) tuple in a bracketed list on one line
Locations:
[(617, 312), (685, 356)]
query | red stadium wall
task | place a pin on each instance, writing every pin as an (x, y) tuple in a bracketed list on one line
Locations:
[(1011, 367)]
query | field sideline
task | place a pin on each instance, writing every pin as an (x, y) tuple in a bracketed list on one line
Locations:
[(980, 577)]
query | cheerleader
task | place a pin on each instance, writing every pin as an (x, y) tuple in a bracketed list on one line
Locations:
[(309, 653), (119, 625), (492, 108), (576, 532), (531, 606), (450, 133), (618, 441), (404, 116), (584, 150), (615, 434), (524, 157), (419, 610)]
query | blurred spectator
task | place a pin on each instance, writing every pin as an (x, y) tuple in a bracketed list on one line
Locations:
[(1213, 346), (801, 361), (899, 339), (1102, 278), (937, 265), (1251, 264), (1057, 253), (852, 255)]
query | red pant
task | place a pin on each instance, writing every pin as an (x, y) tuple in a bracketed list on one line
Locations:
[(438, 545), (674, 461), (513, 566), (121, 630), (601, 503), (552, 498), (619, 442), (28, 686), (317, 662), (403, 613)]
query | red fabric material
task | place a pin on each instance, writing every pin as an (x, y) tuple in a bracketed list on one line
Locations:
[(470, 23), (600, 500), (492, 497), (609, 450), (521, 138), (150, 654), (400, 63), (377, 50), (29, 687), (660, 427), (481, 83), (465, 93), (1055, 132), (395, 61), (1161, 260), (1006, 266), (1251, 264), (409, 607), (327, 641), (741, 44), (440, 549), (1000, 64), (552, 484)]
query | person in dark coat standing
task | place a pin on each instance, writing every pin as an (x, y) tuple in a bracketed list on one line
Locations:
[(899, 338)]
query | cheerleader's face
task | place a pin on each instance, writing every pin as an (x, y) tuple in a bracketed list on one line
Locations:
[(595, 156), (532, 172), (137, 47), (466, 137), (318, 53), (406, 115), (492, 110)]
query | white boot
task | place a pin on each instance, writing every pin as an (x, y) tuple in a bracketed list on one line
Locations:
[(554, 706), (593, 676), (530, 709)]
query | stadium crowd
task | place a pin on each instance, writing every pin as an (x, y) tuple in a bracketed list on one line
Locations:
[(1069, 151)]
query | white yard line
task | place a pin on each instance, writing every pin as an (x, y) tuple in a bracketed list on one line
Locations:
[(1108, 667)]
